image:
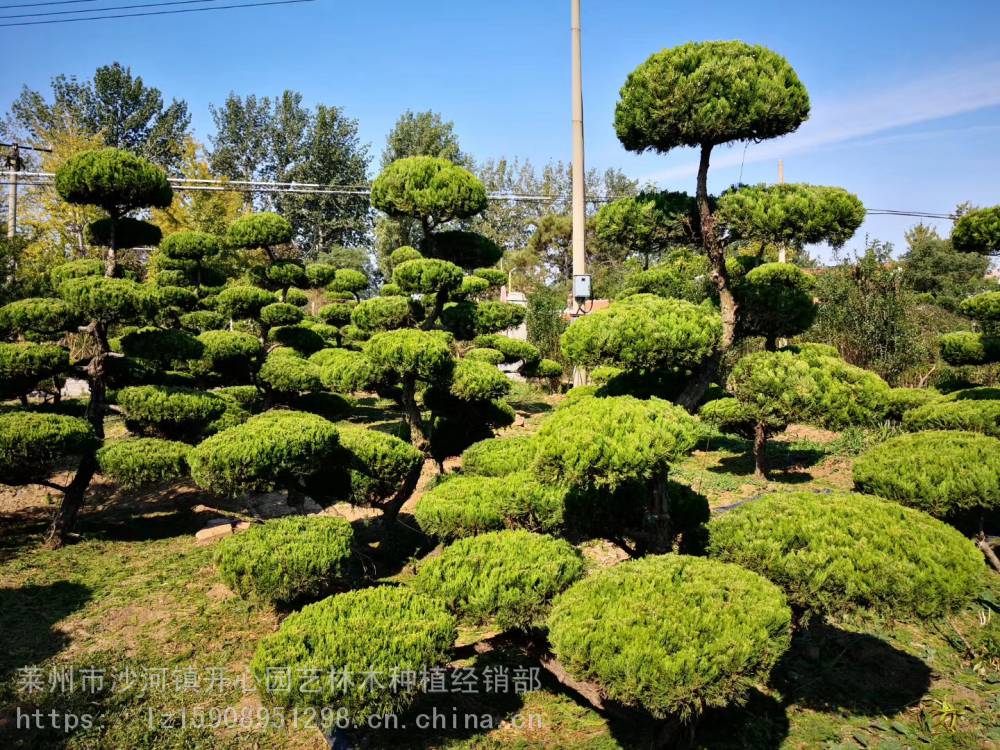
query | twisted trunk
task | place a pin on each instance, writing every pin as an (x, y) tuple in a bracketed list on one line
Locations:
[(408, 400)]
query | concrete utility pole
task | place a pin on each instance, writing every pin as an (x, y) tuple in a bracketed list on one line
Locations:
[(782, 256), (581, 281), (14, 166)]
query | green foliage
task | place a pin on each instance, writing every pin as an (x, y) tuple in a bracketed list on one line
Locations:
[(274, 449), (941, 473), (427, 276), (545, 369), (188, 245), (107, 300), (280, 314), (608, 443), (776, 300), (383, 630), (229, 353), (847, 395), (288, 374), (507, 578), (498, 457), (382, 314), (978, 231), (320, 274), (23, 365), (673, 98), (983, 307), (932, 266), (733, 416), (75, 269), (287, 558), (161, 345), (122, 233), (336, 314), (349, 280), (115, 180), (465, 506), (408, 353), (261, 230), (647, 224), (469, 250), (488, 317), (901, 400), (644, 332), (494, 276), (775, 388), (513, 350), (838, 552), (671, 634), (375, 467), (682, 274), (791, 214), (983, 393), (301, 338), (428, 188), (967, 415), (483, 354), (478, 381), (968, 348), (244, 301), (402, 254), (38, 315), (139, 462), (175, 412), (33, 444), (245, 396), (344, 370)]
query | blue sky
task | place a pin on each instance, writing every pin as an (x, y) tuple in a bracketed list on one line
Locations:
[(906, 95)]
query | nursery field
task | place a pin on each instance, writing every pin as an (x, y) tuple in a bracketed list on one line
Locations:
[(139, 593)]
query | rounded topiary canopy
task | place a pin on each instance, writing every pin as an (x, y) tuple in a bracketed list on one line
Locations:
[(243, 301), (901, 400), (846, 395), (791, 214), (382, 314), (839, 552), (336, 314), (644, 332), (138, 462), (478, 381), (649, 222), (383, 630), (261, 230), (483, 354), (468, 505), (775, 387), (969, 348), (428, 188), (410, 353), (123, 233), (32, 444), (280, 314), (978, 232), (174, 411), (607, 443), (76, 269), (513, 350), (115, 180), (968, 415), (671, 634), (229, 352), (23, 364), (466, 249), (494, 276), (376, 464), (709, 93), (200, 321), (285, 373), (498, 457), (269, 450), (776, 299), (941, 473), (344, 370), (107, 300), (188, 245), (161, 345), (507, 578), (983, 307), (38, 315), (349, 280), (427, 276), (287, 558)]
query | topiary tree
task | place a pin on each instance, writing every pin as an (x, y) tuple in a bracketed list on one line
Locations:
[(790, 215), (287, 559), (117, 182), (24, 365), (437, 279), (169, 411), (682, 273), (497, 457), (384, 630), (705, 633), (503, 578), (672, 100), (140, 462), (648, 224), (776, 301), (978, 231), (967, 415), (838, 552), (195, 255)]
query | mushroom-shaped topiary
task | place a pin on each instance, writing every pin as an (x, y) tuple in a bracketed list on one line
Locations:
[(139, 462), (44, 317), (776, 301), (839, 552), (382, 314), (246, 301), (704, 633), (344, 370), (384, 630), (505, 578), (498, 457), (978, 231), (33, 444), (23, 365), (260, 231), (436, 278), (230, 354), (286, 559), (469, 250), (162, 346), (647, 224), (173, 412)]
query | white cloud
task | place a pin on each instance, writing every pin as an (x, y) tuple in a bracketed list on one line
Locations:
[(920, 100)]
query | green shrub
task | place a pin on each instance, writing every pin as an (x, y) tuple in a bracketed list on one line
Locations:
[(978, 231), (482, 354), (246, 396), (286, 559), (968, 348), (382, 314), (498, 457), (245, 301), (287, 373), (40, 315), (982, 307), (671, 634), (472, 286), (430, 187), (839, 552), (507, 578), (847, 395), (982, 393), (229, 353), (117, 181), (375, 466), (465, 506), (776, 299), (402, 254), (410, 353), (200, 321), (330, 406), (274, 449), (76, 269), (971, 416), (336, 314), (349, 280), (188, 245), (33, 444), (125, 231), (259, 230), (513, 350), (300, 338), (344, 370), (384, 630), (320, 274), (23, 365), (731, 416), (478, 381), (901, 400), (107, 300), (941, 473), (606, 443), (138, 462), (466, 249), (161, 345), (427, 276), (280, 314), (172, 411)]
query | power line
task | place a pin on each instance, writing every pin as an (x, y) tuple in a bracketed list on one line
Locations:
[(155, 13), (102, 10), (55, 2)]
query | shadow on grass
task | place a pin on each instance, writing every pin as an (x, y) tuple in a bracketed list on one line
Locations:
[(854, 673), (784, 464), (28, 615)]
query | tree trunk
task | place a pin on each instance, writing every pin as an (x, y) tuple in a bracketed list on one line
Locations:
[(727, 302), (111, 258), (658, 525), (409, 402), (390, 510), (760, 450), (440, 299), (771, 343), (64, 520)]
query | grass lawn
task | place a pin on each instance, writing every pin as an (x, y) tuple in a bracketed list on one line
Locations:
[(138, 598)]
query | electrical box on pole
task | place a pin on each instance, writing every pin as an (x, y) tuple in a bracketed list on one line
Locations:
[(581, 287)]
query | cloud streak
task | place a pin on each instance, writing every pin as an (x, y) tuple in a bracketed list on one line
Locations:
[(924, 99)]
